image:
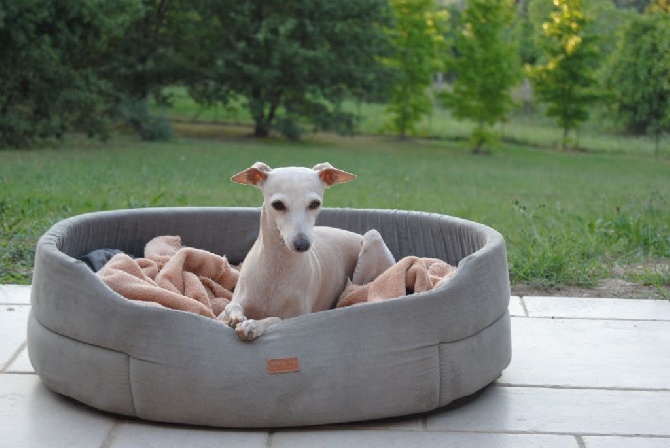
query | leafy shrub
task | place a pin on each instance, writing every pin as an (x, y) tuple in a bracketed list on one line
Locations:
[(149, 127)]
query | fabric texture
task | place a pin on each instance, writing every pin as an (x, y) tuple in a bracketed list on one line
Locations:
[(369, 361), (408, 276), (180, 278)]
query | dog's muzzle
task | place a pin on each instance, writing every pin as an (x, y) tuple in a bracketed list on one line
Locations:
[(301, 243)]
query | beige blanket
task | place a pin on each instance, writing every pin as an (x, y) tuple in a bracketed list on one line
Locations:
[(198, 281), (408, 276), (181, 278)]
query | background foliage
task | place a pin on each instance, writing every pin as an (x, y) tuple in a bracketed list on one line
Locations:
[(292, 60), (567, 80), (487, 66), (296, 65), (417, 37), (48, 51), (638, 75)]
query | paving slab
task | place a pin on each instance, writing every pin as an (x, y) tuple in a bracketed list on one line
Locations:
[(15, 294), (32, 416), (404, 439), (148, 435), (13, 328), (589, 353), (560, 411), (569, 307), (626, 442)]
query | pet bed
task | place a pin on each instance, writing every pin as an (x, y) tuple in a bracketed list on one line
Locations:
[(362, 362)]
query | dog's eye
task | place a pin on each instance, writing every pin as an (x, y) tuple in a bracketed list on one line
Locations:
[(278, 205), (314, 204)]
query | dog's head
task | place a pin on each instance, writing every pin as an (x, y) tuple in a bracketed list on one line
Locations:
[(292, 197)]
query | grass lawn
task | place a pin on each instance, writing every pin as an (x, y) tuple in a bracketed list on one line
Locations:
[(568, 218)]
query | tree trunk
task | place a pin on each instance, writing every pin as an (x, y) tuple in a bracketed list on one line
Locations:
[(564, 143), (479, 138), (477, 149), (261, 128), (527, 97), (262, 120), (257, 109)]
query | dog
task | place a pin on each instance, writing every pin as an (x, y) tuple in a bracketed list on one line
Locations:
[(295, 267)]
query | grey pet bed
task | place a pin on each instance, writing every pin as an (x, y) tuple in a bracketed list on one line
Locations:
[(369, 361)]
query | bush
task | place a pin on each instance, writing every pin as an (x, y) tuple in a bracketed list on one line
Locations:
[(150, 127), (50, 53), (637, 76)]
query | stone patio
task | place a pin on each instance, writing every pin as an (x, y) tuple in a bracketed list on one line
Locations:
[(585, 373)]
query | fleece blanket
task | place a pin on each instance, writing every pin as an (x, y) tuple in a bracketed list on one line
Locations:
[(408, 276), (181, 278), (198, 281)]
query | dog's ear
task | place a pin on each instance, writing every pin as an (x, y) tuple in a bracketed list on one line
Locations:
[(332, 176), (255, 175)]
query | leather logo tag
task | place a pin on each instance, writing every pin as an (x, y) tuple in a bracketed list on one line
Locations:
[(283, 365)]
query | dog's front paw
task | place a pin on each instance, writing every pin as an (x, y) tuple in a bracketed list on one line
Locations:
[(235, 321), (248, 330), (232, 315)]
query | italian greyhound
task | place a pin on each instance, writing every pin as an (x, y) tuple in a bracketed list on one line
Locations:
[(295, 267)]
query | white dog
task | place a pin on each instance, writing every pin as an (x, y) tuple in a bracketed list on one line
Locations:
[(295, 268)]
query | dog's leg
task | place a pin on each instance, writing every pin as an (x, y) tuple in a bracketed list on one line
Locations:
[(250, 329), (233, 315), (373, 259)]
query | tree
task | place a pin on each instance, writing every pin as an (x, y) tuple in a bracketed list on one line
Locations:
[(292, 61), (662, 6), (487, 67), (48, 75), (155, 50), (567, 81), (638, 76), (606, 22), (418, 41)]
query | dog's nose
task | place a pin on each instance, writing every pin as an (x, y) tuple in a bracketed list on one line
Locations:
[(301, 243)]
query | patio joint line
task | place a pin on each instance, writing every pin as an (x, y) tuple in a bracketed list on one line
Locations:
[(112, 434), (621, 319), (13, 357), (559, 387), (523, 306), (554, 433)]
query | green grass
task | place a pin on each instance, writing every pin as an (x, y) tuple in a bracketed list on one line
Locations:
[(568, 218)]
